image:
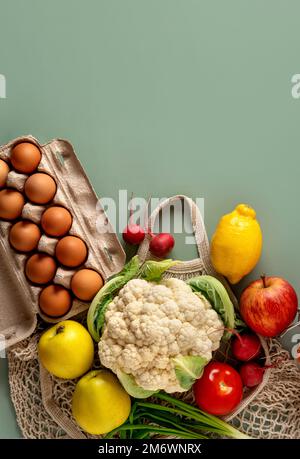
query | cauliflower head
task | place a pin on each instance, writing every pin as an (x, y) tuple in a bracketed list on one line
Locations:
[(148, 325)]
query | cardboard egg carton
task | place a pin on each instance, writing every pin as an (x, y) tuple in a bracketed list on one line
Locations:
[(19, 306)]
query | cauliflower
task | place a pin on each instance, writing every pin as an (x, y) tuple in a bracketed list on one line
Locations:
[(151, 328)]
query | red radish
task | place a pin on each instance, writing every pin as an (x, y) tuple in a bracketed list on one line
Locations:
[(246, 347), (133, 233), (161, 244), (252, 374)]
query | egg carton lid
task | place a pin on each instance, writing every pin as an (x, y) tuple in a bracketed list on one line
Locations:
[(18, 303)]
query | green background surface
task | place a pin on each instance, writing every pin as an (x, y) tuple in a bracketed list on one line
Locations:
[(165, 97)]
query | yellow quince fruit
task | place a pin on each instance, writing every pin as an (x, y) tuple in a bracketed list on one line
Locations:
[(66, 350), (100, 404)]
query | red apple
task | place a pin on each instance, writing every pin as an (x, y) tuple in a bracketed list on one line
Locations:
[(268, 305)]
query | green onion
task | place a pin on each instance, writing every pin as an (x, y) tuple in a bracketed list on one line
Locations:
[(153, 429), (177, 419), (219, 426)]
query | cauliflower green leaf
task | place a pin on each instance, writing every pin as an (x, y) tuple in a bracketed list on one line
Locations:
[(131, 268), (215, 292), (131, 387), (152, 271), (188, 369), (96, 313), (100, 317)]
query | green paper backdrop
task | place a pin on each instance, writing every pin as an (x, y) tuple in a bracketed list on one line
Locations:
[(165, 97)]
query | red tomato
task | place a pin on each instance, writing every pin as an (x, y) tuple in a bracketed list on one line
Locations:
[(219, 390)]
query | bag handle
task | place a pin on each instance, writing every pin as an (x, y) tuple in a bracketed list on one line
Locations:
[(201, 242), (62, 419), (197, 225)]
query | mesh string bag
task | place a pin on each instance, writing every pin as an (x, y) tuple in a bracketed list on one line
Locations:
[(43, 402), (45, 412)]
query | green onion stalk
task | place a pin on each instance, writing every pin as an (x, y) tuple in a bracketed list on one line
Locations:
[(176, 419)]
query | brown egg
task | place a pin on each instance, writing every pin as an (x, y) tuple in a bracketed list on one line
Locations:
[(11, 204), (71, 251), (56, 221), (86, 283), (40, 268), (4, 170), (40, 188), (24, 236), (55, 300), (25, 157)]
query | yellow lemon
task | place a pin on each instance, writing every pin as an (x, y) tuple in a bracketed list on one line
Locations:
[(66, 350), (100, 404), (237, 243)]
